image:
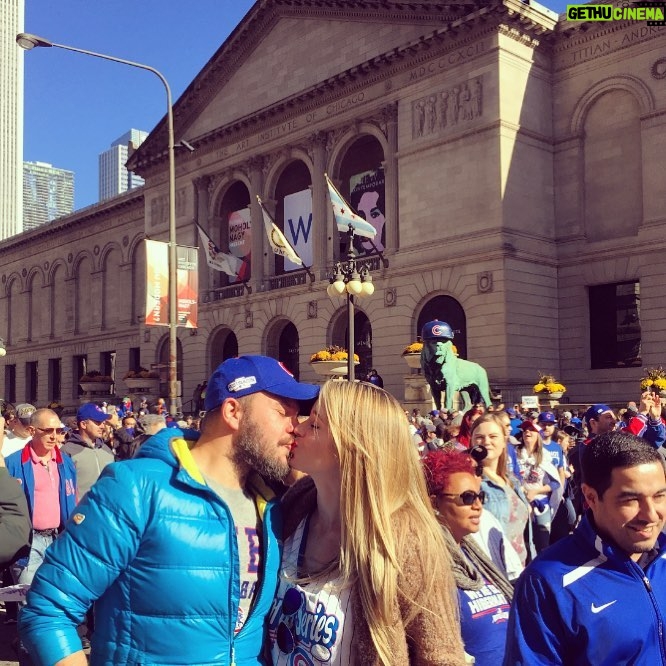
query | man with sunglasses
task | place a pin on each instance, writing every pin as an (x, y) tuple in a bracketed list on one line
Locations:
[(86, 446), (48, 479)]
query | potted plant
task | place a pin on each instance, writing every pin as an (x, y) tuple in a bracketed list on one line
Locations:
[(93, 381), (142, 380), (412, 354), (331, 361), (548, 384), (655, 380)]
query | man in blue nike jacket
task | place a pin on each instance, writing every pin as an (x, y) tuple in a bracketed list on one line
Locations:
[(598, 597)]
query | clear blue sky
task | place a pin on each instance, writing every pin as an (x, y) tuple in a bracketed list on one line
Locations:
[(76, 106)]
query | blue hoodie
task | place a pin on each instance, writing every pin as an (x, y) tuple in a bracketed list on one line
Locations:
[(155, 549)]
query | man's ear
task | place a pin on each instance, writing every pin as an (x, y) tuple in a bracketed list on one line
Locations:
[(590, 495), (230, 413)]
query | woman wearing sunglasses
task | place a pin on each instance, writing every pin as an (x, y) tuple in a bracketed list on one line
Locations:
[(365, 574), (484, 594)]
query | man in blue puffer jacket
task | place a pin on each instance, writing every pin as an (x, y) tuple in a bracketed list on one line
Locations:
[(178, 547)]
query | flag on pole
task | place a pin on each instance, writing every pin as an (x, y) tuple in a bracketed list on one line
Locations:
[(220, 261), (279, 244), (344, 215)]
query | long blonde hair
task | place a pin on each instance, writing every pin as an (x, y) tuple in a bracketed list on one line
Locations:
[(383, 497)]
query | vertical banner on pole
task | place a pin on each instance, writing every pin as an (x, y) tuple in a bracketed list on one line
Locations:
[(188, 286), (157, 285)]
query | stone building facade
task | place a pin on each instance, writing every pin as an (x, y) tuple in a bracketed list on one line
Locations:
[(520, 160)]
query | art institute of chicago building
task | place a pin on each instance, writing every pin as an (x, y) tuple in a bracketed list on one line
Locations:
[(512, 161)]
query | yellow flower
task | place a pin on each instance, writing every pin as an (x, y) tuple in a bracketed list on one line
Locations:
[(548, 384), (414, 348), (332, 353)]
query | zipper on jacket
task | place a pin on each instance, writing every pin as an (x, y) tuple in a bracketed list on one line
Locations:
[(233, 656)]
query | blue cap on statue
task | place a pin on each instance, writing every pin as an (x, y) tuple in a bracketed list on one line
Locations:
[(435, 330)]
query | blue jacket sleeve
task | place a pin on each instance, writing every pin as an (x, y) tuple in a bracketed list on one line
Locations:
[(100, 540), (535, 633)]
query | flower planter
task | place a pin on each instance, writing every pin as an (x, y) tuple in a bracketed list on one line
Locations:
[(142, 384), (96, 387), (555, 395), (328, 368), (412, 360)]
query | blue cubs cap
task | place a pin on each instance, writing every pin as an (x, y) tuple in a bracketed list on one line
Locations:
[(511, 412), (546, 417), (89, 411), (241, 376), (435, 330), (596, 411)]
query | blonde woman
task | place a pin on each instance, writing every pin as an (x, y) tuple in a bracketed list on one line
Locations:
[(506, 500), (365, 576), (541, 482)]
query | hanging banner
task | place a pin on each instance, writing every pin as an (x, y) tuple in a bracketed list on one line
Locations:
[(367, 199), (298, 227), (240, 241), (157, 284)]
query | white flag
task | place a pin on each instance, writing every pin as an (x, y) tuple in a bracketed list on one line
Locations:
[(219, 260), (344, 215), (279, 244)]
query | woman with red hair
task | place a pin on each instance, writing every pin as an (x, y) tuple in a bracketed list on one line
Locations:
[(484, 593)]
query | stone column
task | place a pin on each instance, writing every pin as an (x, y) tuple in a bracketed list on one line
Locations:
[(320, 229), (390, 164), (201, 210), (259, 240)]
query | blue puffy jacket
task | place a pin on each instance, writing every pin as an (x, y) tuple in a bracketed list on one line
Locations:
[(156, 549), (583, 602)]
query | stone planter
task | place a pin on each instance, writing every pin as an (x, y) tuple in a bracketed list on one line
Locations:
[(329, 368), (412, 360), (149, 385), (96, 387), (555, 395)]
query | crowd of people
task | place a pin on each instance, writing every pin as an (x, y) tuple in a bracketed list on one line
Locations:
[(298, 524)]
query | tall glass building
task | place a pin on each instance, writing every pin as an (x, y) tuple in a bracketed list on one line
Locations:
[(48, 193), (114, 178), (11, 118)]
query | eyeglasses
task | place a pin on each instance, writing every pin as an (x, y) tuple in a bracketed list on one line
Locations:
[(467, 498), (51, 431), (291, 603)]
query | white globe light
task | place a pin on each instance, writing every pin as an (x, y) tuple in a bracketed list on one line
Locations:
[(3, 351), (354, 287), (339, 287), (368, 289)]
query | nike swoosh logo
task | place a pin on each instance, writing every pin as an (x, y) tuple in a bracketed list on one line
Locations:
[(598, 609)]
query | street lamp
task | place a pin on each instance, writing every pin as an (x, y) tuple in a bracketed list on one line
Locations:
[(3, 351), (27, 41), (353, 279)]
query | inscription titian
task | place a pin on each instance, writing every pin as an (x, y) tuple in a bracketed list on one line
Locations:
[(613, 42)]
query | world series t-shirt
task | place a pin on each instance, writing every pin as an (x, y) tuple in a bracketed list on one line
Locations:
[(484, 615), (244, 513), (310, 623)]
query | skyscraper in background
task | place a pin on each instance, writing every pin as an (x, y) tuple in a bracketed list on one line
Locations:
[(114, 178), (48, 193), (11, 118)]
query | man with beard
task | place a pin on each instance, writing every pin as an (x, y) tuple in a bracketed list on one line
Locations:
[(178, 547), (598, 596)]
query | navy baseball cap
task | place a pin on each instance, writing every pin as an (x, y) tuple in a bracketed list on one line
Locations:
[(546, 417), (596, 411), (89, 411), (245, 375)]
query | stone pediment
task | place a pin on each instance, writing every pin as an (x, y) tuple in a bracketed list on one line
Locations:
[(281, 48)]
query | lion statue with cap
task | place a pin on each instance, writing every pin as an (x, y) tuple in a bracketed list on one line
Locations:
[(447, 373)]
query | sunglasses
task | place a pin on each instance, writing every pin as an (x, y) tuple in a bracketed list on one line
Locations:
[(51, 431), (468, 497), (291, 603)]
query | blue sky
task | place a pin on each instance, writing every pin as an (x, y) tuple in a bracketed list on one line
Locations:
[(76, 106)]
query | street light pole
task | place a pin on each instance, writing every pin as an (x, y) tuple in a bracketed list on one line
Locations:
[(352, 279), (27, 41)]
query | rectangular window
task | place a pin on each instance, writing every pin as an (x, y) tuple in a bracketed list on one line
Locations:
[(107, 363), (10, 383), (79, 367), (31, 380), (615, 325), (134, 358), (55, 379)]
